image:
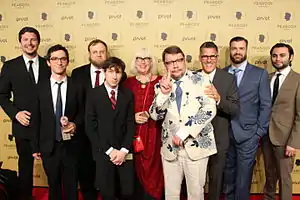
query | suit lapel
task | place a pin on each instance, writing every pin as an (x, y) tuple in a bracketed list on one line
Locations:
[(287, 83), (88, 76), (68, 95), (247, 70), (216, 78), (120, 101)]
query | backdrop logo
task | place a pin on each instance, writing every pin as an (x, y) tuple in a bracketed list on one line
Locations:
[(164, 16), (20, 5), (139, 14), (188, 38), (115, 16), (297, 163), (263, 3), (10, 137), (114, 36), (163, 36), (188, 58), (288, 25), (44, 16), (22, 19), (2, 59), (1, 17), (67, 18), (65, 3), (239, 16), (163, 2), (288, 41), (88, 39), (138, 19), (139, 38), (261, 38), (91, 17), (3, 40), (213, 2), (12, 157), (213, 37), (114, 2), (214, 17), (189, 14), (44, 24), (261, 43), (190, 19), (67, 37)]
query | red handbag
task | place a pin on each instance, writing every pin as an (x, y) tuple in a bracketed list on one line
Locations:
[(138, 145)]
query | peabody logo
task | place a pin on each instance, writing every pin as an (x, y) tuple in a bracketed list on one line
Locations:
[(139, 14), (261, 38), (10, 137), (44, 16), (20, 5), (213, 2), (163, 2), (188, 58), (213, 37), (297, 163), (261, 41), (1, 17), (164, 16), (114, 36), (189, 14), (67, 37), (287, 16), (139, 19), (238, 15), (163, 36), (263, 3), (91, 15), (3, 59), (114, 2)]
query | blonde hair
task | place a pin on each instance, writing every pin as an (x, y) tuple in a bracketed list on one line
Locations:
[(143, 52)]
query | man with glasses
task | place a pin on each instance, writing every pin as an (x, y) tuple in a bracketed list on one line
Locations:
[(187, 135), (249, 125), (19, 78), (224, 91)]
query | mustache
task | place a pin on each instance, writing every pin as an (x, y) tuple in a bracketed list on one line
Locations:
[(237, 54)]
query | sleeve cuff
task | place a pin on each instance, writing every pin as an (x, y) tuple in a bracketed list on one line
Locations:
[(124, 150), (109, 151), (181, 133)]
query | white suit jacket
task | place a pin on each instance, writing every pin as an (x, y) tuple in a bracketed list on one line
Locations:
[(192, 124)]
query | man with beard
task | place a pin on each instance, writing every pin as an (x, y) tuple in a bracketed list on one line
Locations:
[(249, 125), (20, 77), (279, 146), (87, 77)]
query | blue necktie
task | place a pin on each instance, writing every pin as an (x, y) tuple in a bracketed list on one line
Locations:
[(58, 112), (235, 73), (178, 93)]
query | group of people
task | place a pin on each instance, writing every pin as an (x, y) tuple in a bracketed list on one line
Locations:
[(142, 137)]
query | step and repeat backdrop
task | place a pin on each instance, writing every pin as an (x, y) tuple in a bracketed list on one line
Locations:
[(126, 25)]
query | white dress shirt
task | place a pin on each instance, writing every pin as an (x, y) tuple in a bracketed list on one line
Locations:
[(282, 77), (35, 66), (93, 70), (63, 88), (109, 89)]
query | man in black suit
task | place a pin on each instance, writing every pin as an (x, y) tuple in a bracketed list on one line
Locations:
[(224, 91), (87, 77), (20, 76), (110, 128), (60, 115)]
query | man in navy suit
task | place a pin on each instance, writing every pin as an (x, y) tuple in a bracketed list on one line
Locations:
[(249, 125)]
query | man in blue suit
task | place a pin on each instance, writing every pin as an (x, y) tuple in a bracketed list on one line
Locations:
[(249, 125)]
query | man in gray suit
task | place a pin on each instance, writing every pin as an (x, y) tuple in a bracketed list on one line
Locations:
[(224, 91), (249, 125), (279, 147)]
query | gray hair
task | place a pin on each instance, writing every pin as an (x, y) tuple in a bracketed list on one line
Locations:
[(143, 52)]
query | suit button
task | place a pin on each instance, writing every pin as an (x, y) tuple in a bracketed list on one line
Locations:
[(180, 120)]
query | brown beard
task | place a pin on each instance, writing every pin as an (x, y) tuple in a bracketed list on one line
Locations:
[(236, 62), (96, 64)]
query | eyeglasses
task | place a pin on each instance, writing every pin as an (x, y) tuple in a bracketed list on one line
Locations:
[(172, 62), (56, 59), (212, 57), (140, 59)]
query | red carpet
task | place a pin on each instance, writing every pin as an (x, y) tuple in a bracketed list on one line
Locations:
[(42, 194)]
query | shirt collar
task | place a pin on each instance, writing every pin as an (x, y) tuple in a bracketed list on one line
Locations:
[(26, 59), (109, 89), (285, 71), (181, 78), (94, 69), (241, 67), (211, 74), (53, 81)]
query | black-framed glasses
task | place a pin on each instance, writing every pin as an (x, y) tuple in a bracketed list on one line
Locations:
[(140, 59), (212, 57), (56, 59), (172, 62)]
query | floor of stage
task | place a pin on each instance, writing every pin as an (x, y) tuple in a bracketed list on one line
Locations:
[(42, 194)]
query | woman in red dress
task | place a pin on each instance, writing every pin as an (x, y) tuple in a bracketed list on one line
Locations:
[(147, 162)]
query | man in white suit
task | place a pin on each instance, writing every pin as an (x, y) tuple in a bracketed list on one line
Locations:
[(187, 134)]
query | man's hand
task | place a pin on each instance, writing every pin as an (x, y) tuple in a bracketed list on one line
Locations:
[(290, 151), (69, 128), (37, 156), (23, 117), (177, 141), (141, 117), (165, 83), (120, 158), (113, 155), (212, 92)]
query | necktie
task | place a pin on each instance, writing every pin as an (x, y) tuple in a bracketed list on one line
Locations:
[(275, 88), (113, 100), (97, 81), (58, 112), (178, 93), (30, 71), (235, 73)]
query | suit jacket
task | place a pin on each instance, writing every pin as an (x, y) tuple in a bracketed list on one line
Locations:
[(194, 120), (227, 108), (106, 127), (73, 110), (285, 116), (255, 104), (15, 79)]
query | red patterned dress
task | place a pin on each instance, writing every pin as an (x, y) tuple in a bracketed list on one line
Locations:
[(148, 164)]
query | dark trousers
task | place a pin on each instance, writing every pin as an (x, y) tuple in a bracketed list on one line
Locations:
[(25, 167), (216, 166), (61, 170), (239, 168), (86, 172), (277, 167)]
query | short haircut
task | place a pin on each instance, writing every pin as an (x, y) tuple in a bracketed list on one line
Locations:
[(28, 29), (172, 50), (143, 53), (279, 45), (114, 62), (96, 41), (238, 39), (55, 48), (210, 45)]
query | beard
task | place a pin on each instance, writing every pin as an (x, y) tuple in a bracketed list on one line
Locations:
[(237, 61), (283, 66), (96, 63)]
